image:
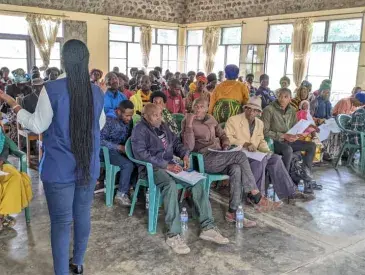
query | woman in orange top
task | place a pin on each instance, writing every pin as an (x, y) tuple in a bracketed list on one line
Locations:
[(200, 91)]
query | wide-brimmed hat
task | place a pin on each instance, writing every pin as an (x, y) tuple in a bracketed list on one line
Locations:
[(37, 82), (254, 103)]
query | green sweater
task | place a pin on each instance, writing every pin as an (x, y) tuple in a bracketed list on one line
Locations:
[(278, 122)]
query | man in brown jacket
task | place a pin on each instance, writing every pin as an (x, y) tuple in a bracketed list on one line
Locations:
[(201, 132)]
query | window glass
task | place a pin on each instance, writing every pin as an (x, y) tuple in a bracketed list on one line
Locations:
[(231, 35), (320, 60), (275, 64), (118, 50), (201, 60), (345, 68), (120, 33), (172, 53), (134, 55), (319, 29), (13, 25), (192, 58), (195, 37), (13, 54), (172, 66), (344, 30), (289, 63), (233, 55), (137, 34), (165, 52), (166, 36), (281, 33), (219, 59), (155, 56), (120, 63)]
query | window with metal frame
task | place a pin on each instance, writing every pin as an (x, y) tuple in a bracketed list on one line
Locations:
[(125, 51), (334, 55), (17, 49), (254, 61), (194, 51)]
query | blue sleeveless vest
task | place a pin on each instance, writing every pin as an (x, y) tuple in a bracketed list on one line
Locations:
[(58, 164)]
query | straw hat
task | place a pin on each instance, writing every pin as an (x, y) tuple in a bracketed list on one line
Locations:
[(254, 103)]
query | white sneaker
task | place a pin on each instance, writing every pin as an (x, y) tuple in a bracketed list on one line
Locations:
[(123, 199), (178, 245)]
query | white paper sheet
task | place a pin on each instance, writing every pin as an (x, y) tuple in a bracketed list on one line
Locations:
[(324, 132), (259, 156), (299, 127), (191, 178), (235, 149)]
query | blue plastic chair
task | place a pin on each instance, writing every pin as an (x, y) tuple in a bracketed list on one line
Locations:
[(154, 192), (210, 177), (110, 173)]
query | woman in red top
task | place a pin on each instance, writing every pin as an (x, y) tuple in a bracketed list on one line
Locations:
[(201, 91)]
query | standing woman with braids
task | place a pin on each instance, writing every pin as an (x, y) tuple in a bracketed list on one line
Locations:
[(70, 114)]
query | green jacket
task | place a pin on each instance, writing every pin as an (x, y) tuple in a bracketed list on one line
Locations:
[(278, 122)]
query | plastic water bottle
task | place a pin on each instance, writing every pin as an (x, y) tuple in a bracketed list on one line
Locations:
[(184, 219), (271, 193), (301, 186), (147, 198), (239, 217)]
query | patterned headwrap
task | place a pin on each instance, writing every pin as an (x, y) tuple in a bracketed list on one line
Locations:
[(325, 86), (306, 84), (232, 72), (20, 76), (360, 97), (202, 78)]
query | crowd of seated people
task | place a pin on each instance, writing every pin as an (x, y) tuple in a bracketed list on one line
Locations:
[(220, 111)]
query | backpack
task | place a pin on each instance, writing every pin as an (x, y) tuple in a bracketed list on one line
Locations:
[(296, 170)]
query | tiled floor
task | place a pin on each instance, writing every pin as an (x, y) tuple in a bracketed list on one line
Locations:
[(325, 236)]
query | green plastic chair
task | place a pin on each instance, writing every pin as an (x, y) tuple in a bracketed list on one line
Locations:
[(22, 157), (136, 118), (154, 192), (270, 143), (342, 122), (178, 119), (110, 173), (210, 177)]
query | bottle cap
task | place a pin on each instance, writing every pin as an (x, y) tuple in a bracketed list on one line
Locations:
[(184, 209), (240, 206)]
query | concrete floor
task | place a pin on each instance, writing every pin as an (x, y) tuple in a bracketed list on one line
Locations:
[(325, 236)]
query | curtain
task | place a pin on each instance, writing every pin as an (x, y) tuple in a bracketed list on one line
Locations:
[(210, 47), (146, 44), (301, 44), (43, 31)]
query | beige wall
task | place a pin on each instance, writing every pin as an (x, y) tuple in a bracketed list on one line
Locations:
[(254, 30)]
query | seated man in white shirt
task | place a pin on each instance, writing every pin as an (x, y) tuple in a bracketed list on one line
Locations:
[(248, 130)]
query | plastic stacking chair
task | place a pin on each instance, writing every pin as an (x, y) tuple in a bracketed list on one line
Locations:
[(178, 119), (210, 177), (110, 173), (342, 122), (21, 156), (154, 192), (270, 143)]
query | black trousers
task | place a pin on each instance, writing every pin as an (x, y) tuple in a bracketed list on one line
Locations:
[(286, 149)]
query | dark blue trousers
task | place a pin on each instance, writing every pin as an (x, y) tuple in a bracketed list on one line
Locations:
[(69, 203)]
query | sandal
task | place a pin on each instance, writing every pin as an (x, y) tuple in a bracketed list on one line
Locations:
[(8, 221)]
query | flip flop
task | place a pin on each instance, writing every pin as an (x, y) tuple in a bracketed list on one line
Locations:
[(316, 186), (8, 221)]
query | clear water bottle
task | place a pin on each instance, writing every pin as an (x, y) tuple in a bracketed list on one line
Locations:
[(301, 186), (147, 198), (271, 193), (184, 219), (239, 217)]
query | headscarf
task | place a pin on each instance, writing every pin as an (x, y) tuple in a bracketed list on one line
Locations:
[(20, 76), (232, 72), (325, 86), (202, 78), (360, 97)]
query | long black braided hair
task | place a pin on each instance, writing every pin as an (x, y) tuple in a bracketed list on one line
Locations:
[(76, 61)]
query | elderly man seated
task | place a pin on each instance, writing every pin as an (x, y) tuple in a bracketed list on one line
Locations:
[(201, 132), (153, 142), (248, 130)]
